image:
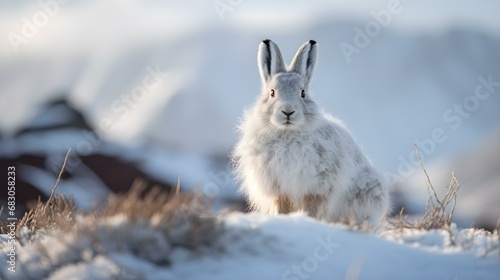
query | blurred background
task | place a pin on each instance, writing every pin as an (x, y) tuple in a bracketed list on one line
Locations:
[(154, 90)]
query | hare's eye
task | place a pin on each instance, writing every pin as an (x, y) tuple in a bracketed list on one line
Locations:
[(303, 94), (272, 93)]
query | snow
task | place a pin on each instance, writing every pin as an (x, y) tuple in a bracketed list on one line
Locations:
[(256, 246), (98, 268)]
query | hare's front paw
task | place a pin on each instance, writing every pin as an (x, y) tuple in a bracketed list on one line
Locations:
[(370, 201)]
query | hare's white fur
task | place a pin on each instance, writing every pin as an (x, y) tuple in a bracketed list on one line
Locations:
[(294, 157)]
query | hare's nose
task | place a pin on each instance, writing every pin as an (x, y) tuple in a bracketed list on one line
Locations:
[(288, 114)]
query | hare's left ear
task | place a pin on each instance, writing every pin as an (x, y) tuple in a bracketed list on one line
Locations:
[(270, 60), (304, 61)]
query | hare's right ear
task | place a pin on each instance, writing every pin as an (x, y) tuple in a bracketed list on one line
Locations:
[(304, 61), (270, 60)]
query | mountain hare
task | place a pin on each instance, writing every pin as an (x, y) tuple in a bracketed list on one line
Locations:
[(294, 157)]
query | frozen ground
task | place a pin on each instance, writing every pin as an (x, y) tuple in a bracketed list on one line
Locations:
[(254, 246)]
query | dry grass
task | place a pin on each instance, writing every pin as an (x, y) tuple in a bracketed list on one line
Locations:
[(148, 225), (495, 244), (436, 214), (57, 212), (439, 216), (185, 218), (168, 212)]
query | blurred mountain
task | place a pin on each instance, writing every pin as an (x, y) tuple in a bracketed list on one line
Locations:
[(55, 115), (92, 172)]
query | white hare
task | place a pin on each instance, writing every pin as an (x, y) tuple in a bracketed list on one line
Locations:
[(294, 157)]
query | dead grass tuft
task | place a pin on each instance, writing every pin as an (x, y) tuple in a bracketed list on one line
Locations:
[(171, 213), (436, 214), (185, 219), (149, 225), (494, 245), (57, 212)]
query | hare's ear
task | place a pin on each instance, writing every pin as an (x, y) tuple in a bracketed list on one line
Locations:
[(304, 61), (270, 60)]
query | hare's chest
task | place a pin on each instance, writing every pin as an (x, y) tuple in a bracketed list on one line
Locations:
[(294, 167), (290, 158)]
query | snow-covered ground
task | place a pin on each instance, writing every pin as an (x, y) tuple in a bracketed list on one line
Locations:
[(255, 246)]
